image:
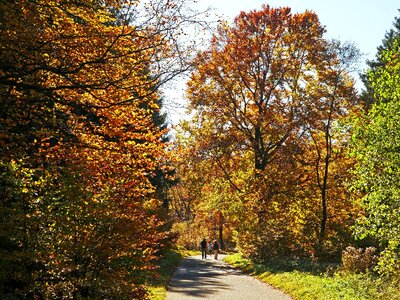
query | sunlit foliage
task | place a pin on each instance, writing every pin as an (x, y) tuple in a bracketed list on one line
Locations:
[(269, 96)]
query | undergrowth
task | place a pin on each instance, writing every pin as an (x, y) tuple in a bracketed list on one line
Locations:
[(307, 280)]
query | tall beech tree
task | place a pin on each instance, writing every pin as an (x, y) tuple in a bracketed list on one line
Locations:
[(267, 87), (253, 75)]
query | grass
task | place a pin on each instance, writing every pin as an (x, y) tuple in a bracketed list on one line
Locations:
[(157, 286), (306, 280)]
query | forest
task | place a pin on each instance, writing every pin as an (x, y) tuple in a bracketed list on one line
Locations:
[(282, 157)]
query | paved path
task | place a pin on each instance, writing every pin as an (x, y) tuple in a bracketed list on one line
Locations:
[(210, 279)]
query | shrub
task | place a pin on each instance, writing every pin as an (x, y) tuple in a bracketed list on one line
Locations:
[(359, 260)]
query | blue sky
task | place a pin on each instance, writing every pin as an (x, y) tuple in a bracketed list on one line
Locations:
[(363, 22)]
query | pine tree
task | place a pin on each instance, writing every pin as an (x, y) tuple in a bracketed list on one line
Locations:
[(389, 40)]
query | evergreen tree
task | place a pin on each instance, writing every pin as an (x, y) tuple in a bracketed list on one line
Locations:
[(390, 38), (160, 179)]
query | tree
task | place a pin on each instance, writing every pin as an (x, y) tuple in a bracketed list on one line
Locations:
[(200, 199), (267, 88), (333, 99), (391, 37), (162, 179), (78, 144), (250, 77), (377, 154)]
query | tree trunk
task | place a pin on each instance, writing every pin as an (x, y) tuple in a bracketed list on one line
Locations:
[(324, 187), (324, 214), (220, 237), (260, 161)]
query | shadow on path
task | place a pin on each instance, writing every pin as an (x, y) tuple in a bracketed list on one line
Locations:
[(200, 278), (197, 279)]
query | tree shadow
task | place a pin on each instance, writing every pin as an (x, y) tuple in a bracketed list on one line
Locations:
[(200, 278)]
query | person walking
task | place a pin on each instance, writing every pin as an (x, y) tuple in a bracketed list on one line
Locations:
[(203, 246), (216, 249)]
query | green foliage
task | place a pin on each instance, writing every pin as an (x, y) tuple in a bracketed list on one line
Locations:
[(377, 150), (391, 37)]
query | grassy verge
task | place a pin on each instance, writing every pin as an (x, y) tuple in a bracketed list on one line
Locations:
[(304, 280), (158, 285)]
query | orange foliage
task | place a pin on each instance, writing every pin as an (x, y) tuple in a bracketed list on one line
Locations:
[(77, 96), (263, 91)]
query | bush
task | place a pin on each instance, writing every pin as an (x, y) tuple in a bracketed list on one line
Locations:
[(389, 264), (359, 260)]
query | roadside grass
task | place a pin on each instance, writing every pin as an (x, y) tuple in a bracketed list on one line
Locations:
[(306, 280), (169, 261)]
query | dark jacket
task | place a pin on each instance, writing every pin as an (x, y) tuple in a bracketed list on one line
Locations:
[(216, 246)]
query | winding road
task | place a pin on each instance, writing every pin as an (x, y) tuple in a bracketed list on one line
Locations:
[(197, 278)]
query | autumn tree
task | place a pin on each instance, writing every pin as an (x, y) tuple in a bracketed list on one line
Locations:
[(254, 70), (333, 98), (265, 86), (197, 200), (78, 144)]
